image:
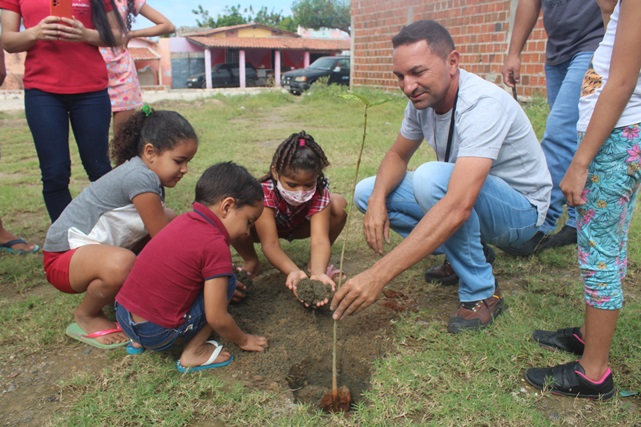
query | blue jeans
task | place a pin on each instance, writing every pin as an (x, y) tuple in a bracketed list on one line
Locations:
[(48, 116), (501, 216), (563, 83), (155, 337)]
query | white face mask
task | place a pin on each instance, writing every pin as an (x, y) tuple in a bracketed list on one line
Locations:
[(295, 198)]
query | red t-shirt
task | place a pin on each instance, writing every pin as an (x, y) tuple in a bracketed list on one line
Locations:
[(170, 271), (57, 66)]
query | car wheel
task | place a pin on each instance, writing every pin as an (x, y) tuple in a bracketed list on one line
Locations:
[(204, 85)]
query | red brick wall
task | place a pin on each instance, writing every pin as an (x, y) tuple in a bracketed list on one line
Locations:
[(480, 28)]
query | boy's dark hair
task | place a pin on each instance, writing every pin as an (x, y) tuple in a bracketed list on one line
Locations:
[(162, 129), (228, 180), (299, 152), (101, 22), (437, 37)]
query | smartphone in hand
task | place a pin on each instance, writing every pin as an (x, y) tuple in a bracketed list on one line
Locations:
[(62, 8)]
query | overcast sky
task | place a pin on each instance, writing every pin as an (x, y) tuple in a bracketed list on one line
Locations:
[(179, 11)]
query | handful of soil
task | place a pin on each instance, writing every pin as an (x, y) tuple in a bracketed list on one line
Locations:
[(311, 292), (243, 277)]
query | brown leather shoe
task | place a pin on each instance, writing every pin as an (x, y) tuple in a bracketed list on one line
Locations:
[(476, 315), (443, 274)]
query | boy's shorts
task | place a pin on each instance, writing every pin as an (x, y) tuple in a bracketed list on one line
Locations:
[(155, 337), (57, 269)]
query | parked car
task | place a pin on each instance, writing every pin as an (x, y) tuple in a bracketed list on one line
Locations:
[(336, 68), (225, 75)]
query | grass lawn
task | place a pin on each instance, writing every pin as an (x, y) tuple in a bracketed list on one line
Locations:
[(429, 377)]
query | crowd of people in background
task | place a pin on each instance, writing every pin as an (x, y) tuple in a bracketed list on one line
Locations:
[(171, 275)]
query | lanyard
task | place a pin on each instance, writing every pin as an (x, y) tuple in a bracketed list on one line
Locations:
[(450, 134)]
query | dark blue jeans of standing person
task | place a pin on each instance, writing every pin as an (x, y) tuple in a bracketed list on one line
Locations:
[(48, 116)]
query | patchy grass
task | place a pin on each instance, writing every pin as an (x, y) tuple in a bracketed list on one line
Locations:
[(431, 377)]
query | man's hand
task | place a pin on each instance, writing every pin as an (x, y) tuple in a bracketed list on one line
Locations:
[(512, 70), (356, 294), (376, 227)]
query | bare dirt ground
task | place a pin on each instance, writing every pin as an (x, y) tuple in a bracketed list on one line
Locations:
[(297, 366)]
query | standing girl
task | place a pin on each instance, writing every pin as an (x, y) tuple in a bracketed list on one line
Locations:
[(602, 181), (65, 82), (124, 88), (89, 248), (298, 205)]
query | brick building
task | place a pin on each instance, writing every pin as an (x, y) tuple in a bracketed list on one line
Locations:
[(481, 30)]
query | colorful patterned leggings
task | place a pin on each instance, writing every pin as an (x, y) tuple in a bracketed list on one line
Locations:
[(602, 224)]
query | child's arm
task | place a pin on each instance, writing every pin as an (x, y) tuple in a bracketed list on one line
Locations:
[(607, 7), (320, 247), (624, 73), (162, 25), (151, 211), (222, 322), (268, 236)]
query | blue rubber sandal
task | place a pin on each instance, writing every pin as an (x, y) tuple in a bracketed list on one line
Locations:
[(134, 351), (208, 364), (6, 247)]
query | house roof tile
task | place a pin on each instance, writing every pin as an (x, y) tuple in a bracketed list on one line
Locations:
[(283, 43), (218, 30), (142, 53)]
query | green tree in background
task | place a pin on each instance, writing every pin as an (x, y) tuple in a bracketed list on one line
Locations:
[(317, 14), (234, 15)]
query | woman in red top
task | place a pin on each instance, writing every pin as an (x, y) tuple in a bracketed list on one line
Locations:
[(65, 82)]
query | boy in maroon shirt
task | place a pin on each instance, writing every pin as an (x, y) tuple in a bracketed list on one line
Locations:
[(183, 279)]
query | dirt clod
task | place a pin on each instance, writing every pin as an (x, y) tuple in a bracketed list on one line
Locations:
[(311, 292), (337, 402), (243, 277)]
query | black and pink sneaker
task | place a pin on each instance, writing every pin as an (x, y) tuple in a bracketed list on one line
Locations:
[(568, 339), (570, 380)]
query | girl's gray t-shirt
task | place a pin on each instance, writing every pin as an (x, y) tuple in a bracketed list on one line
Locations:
[(103, 213)]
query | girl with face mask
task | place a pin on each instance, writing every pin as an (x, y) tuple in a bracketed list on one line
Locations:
[(298, 205)]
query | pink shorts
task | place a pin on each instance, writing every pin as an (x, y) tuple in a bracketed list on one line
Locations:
[(57, 270)]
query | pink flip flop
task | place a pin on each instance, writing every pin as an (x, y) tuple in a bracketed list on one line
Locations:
[(333, 271), (104, 332), (76, 332)]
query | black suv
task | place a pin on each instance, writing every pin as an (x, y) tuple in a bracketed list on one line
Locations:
[(225, 75), (334, 67)]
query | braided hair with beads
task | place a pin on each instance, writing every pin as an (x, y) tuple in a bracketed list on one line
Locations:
[(299, 152)]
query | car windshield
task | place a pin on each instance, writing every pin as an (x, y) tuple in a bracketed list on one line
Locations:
[(324, 64)]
